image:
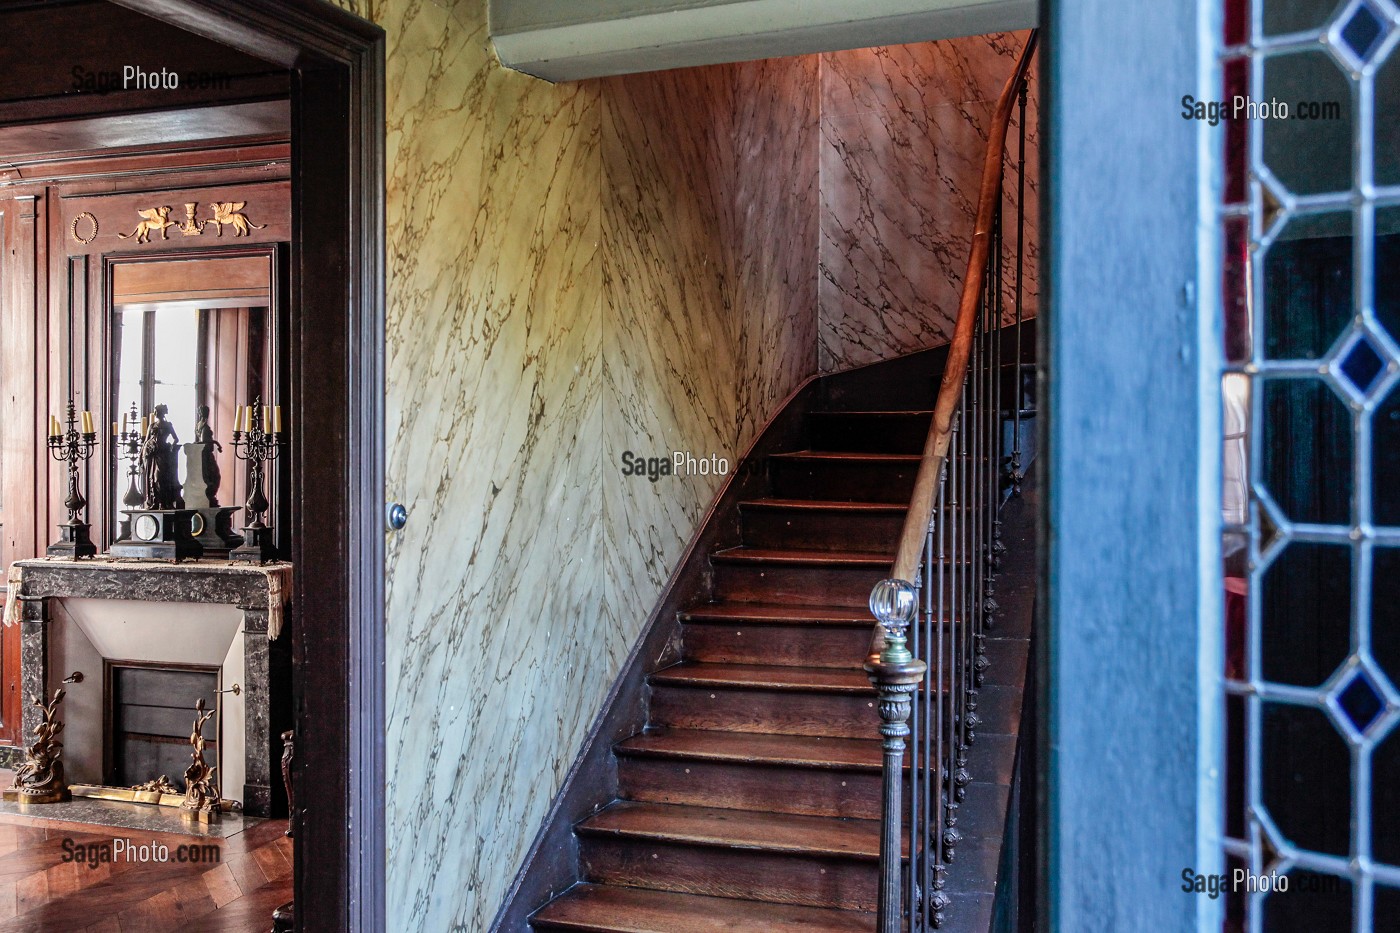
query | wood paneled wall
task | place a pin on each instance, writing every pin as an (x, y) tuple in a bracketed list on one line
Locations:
[(55, 321)]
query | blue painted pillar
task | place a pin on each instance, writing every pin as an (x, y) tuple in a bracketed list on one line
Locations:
[(1131, 600)]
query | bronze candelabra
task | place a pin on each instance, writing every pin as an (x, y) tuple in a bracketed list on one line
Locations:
[(129, 435), (257, 439), (73, 447)]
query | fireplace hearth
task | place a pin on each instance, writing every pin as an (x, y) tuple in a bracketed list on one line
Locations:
[(148, 701)]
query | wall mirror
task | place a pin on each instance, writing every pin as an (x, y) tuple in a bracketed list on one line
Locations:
[(196, 333)]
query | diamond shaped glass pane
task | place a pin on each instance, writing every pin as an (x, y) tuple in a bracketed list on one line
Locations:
[(1362, 365), (1361, 703), (1281, 16), (1307, 286), (1307, 457), (1307, 779), (1308, 156), (1363, 32), (1306, 613)]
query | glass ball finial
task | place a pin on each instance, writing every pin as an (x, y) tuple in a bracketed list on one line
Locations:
[(893, 603)]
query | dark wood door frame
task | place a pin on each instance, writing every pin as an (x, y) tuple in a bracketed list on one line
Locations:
[(336, 351)]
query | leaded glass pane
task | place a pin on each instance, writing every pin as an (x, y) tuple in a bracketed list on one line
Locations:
[(1312, 780)]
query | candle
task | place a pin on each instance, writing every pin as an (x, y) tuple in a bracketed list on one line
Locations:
[(115, 432), (267, 420), (54, 429), (247, 418), (87, 423), (145, 424), (123, 422), (277, 419)]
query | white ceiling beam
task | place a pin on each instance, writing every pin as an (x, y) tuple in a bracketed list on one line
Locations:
[(592, 38)]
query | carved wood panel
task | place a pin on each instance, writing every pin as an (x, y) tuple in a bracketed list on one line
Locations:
[(54, 328)]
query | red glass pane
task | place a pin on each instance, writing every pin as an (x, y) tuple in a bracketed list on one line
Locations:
[(1235, 297)]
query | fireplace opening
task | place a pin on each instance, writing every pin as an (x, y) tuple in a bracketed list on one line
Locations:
[(150, 713)]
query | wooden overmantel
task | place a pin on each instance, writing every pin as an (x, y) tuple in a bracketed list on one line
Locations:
[(259, 592)]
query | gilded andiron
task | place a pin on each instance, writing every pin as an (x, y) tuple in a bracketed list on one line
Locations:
[(257, 439), (73, 447), (40, 778), (202, 802)]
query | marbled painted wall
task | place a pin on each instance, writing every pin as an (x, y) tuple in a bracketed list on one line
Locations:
[(499, 648), (710, 230), (574, 271), (904, 130)]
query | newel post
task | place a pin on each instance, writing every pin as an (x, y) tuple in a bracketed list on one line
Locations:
[(895, 673)]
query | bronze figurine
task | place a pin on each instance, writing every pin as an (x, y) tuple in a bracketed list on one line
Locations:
[(160, 464), (203, 434)]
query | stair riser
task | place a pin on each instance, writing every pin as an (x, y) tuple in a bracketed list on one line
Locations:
[(786, 645), (822, 531), (740, 873), (797, 585), (843, 481), (898, 434), (852, 716), (737, 786)]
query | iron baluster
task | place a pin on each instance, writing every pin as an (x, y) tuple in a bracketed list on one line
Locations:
[(895, 673)]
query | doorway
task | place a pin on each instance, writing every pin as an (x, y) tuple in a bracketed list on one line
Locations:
[(332, 64)]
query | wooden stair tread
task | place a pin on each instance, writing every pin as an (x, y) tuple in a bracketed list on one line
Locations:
[(802, 558), (765, 677), (775, 613), (843, 455), (742, 829), (617, 909), (825, 505), (757, 748)]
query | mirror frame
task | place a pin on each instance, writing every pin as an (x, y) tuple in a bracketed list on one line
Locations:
[(279, 320)]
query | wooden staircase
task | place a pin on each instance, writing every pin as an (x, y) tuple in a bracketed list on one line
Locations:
[(751, 800)]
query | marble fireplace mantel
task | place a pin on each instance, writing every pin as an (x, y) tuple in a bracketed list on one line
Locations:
[(259, 592)]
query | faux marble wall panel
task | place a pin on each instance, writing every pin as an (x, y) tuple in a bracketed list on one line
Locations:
[(499, 650), (904, 131), (710, 229), (538, 327), (573, 271)]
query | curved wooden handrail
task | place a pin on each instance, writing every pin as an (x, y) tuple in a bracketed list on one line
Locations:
[(921, 505)]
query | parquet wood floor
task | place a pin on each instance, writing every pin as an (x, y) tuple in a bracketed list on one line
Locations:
[(41, 893)]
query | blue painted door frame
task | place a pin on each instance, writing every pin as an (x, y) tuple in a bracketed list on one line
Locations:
[(1131, 611)]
